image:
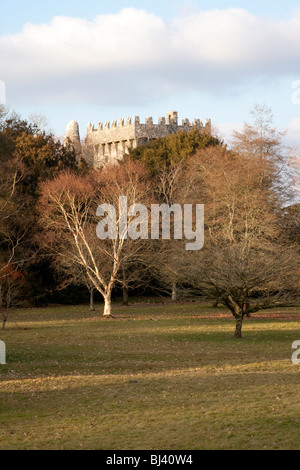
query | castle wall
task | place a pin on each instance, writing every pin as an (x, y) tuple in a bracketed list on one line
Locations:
[(109, 142)]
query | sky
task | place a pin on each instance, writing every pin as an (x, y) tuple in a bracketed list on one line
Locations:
[(96, 61)]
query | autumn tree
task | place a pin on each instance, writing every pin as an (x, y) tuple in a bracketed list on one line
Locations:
[(291, 222), (28, 156), (166, 159), (246, 262), (70, 215), (261, 140)]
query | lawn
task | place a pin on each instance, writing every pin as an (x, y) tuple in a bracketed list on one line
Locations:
[(154, 377)]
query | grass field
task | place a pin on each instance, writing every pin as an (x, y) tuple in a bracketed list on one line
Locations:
[(154, 377)]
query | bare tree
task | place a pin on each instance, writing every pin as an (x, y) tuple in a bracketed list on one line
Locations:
[(246, 262), (247, 278), (69, 207), (40, 121), (260, 140), (11, 290)]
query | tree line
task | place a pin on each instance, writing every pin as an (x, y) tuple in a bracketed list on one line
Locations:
[(49, 198)]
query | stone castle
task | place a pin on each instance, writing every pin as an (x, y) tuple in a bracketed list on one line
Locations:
[(109, 142)]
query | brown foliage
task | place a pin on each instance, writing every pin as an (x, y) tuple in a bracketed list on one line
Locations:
[(68, 207)]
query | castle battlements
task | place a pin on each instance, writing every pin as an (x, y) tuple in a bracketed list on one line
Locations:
[(162, 121), (109, 141)]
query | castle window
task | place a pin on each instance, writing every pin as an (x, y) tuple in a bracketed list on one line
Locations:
[(117, 148)]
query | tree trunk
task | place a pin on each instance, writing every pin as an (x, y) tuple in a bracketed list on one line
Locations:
[(3, 324), (125, 295), (215, 304), (238, 313), (8, 297), (238, 325), (92, 303), (107, 305), (246, 307), (174, 292)]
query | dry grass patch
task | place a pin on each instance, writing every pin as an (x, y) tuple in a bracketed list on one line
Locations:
[(159, 377)]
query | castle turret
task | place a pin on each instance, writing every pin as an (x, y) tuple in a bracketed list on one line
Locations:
[(72, 133)]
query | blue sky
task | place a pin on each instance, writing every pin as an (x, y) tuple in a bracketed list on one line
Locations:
[(100, 61), (15, 14)]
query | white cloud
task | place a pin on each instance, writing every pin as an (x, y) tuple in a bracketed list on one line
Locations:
[(135, 56), (225, 130), (293, 132)]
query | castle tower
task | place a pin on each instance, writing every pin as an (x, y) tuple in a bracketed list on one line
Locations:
[(72, 133)]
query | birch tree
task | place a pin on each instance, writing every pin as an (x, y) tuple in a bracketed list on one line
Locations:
[(69, 215)]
